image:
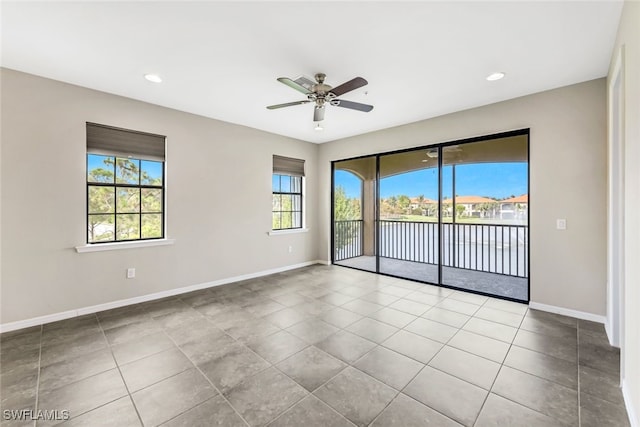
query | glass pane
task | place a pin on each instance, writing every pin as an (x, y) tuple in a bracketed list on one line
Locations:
[(127, 171), (99, 168), (100, 228), (296, 184), (286, 221), (275, 183), (151, 226), (151, 172), (297, 203), (151, 200), (297, 219), (285, 183), (287, 204), (354, 196), (485, 239), (275, 223), (101, 199), (408, 226), (447, 192), (347, 195), (128, 200), (128, 227), (276, 203)]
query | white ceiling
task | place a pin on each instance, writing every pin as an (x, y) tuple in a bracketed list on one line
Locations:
[(221, 59)]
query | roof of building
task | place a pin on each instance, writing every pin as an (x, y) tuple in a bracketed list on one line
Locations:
[(524, 198), (470, 200), (425, 201)]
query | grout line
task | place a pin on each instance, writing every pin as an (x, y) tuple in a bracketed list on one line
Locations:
[(120, 372), (519, 403), (493, 383), (309, 396), (578, 373), (311, 393), (210, 382), (92, 375), (36, 403), (259, 295)]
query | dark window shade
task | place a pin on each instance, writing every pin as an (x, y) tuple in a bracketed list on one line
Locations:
[(121, 142), (288, 166)]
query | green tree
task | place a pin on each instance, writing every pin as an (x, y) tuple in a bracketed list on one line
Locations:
[(111, 205), (421, 204), (393, 202), (345, 209), (485, 208), (404, 203)]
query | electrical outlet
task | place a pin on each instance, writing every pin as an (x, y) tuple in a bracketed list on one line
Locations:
[(561, 224), (131, 273)]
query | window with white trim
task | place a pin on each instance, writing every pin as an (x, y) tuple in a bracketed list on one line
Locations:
[(125, 185), (287, 192)]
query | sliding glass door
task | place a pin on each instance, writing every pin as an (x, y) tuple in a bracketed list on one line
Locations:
[(354, 213), (453, 214), (408, 207), (485, 228)]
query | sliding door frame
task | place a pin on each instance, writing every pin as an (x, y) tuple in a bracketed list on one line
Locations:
[(439, 146)]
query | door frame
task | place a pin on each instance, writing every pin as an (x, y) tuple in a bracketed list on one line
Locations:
[(616, 206), (520, 132)]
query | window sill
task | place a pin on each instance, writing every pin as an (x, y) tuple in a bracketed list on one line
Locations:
[(291, 231), (123, 245)]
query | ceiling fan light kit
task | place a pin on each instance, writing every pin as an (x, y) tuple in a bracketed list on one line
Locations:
[(322, 94)]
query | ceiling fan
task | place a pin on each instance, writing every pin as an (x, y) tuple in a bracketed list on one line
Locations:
[(320, 94)]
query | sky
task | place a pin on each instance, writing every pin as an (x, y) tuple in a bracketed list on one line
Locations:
[(497, 180), (153, 169)]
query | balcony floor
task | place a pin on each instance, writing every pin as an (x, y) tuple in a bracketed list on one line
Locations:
[(489, 283)]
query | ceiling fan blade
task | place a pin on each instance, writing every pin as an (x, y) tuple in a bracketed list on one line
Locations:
[(318, 114), (352, 105), (288, 104), (294, 85), (349, 86)]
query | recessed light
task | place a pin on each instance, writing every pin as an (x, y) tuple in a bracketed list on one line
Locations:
[(495, 76), (153, 78), (433, 153)]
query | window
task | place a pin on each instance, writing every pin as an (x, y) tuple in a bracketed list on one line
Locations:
[(287, 193), (125, 185)]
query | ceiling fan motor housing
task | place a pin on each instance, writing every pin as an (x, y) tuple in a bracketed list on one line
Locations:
[(320, 93)]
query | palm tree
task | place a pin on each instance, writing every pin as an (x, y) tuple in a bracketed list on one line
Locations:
[(421, 202)]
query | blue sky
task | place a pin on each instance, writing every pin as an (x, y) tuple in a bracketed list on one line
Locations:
[(153, 169), (498, 180)]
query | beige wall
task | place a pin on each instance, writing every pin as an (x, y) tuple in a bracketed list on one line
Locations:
[(218, 205), (568, 180), (628, 41)]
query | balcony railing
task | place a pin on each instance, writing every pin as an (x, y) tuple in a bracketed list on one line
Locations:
[(348, 239), (492, 248)]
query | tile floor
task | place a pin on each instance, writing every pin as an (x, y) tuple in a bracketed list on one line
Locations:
[(319, 346), (490, 283)]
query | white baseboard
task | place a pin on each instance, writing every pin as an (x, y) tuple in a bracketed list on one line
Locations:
[(613, 342), (628, 403), (21, 324), (568, 312)]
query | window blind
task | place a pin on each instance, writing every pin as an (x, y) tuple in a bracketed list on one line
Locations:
[(107, 140), (288, 166)]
